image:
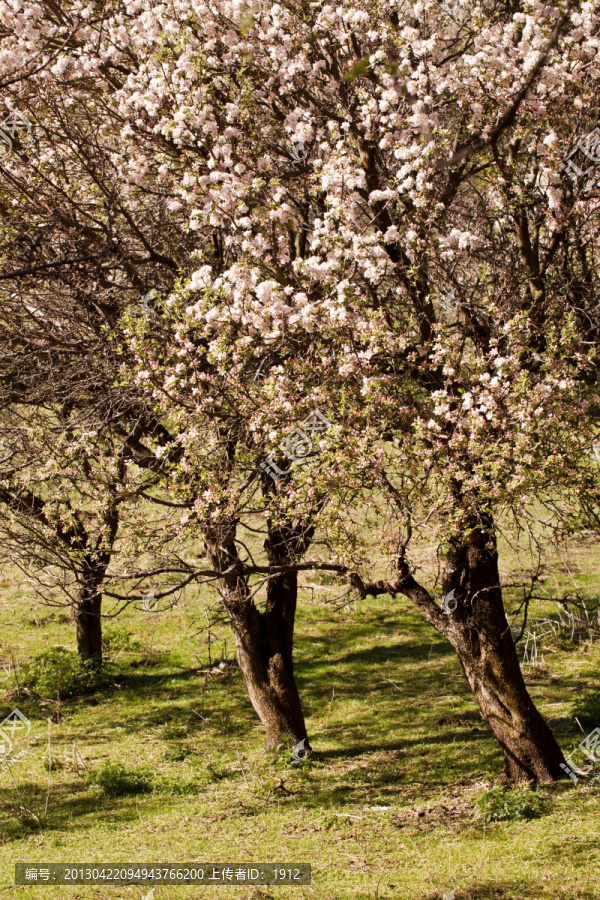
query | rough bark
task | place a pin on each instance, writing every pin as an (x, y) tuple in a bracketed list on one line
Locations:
[(89, 602), (480, 633), (89, 605), (89, 625), (264, 652), (477, 628), (264, 642)]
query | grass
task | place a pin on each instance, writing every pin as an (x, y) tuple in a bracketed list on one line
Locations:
[(165, 763)]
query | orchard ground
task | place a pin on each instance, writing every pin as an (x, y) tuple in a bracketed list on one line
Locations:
[(386, 809)]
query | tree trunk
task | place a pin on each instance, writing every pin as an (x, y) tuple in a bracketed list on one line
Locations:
[(263, 642), (89, 625), (481, 636), (264, 652), (89, 603)]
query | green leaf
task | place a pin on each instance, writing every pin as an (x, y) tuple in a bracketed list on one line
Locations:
[(357, 69), (246, 23)]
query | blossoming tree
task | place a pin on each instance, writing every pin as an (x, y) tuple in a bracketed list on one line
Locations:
[(371, 221)]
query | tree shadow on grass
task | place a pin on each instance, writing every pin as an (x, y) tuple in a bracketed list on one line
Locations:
[(507, 889), (73, 803), (441, 738), (417, 651), (70, 804)]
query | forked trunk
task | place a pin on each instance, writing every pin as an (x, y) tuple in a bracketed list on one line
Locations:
[(264, 642), (264, 652), (481, 636)]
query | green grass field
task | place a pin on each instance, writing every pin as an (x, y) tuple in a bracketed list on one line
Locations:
[(386, 809)]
